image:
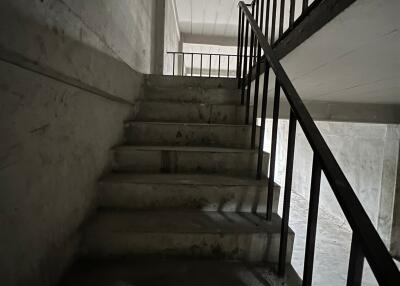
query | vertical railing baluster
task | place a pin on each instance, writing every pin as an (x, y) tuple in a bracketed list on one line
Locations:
[(227, 73), (267, 12), (209, 72), (219, 65), (273, 23), (256, 8), (201, 65), (356, 263), (291, 13), (305, 5), (173, 65), (244, 75), (287, 194), (281, 18), (191, 70), (250, 72), (257, 83), (183, 64), (241, 49), (312, 222), (238, 45), (263, 118), (271, 179)]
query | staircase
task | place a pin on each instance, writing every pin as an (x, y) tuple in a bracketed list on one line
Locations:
[(184, 188)]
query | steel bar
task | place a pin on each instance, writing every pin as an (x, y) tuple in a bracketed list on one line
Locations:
[(356, 263), (274, 135), (287, 195), (312, 222)]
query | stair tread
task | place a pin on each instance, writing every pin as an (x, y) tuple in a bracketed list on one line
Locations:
[(181, 221), (186, 124), (183, 179), (184, 149), (164, 102)]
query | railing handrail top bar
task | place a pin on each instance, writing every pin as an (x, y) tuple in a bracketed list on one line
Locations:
[(374, 249), (207, 54)]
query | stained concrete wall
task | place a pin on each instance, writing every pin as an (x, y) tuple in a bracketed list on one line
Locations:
[(367, 153), (67, 83), (172, 36)]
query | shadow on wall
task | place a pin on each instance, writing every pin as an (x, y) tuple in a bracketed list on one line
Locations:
[(63, 104)]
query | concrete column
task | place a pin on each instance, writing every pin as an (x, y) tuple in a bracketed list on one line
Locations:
[(388, 183), (157, 66)]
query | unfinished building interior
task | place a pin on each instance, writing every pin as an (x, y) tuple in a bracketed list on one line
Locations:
[(199, 142)]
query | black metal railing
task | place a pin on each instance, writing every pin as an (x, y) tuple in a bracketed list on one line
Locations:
[(253, 39), (203, 64)]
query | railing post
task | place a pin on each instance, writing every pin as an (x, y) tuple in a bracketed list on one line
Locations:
[(250, 73), (305, 5), (266, 32), (219, 65), (291, 12), (173, 65), (209, 72), (201, 65), (263, 118), (238, 45), (243, 81), (312, 222), (191, 70), (227, 73), (273, 23), (241, 48), (274, 134), (287, 194), (356, 263), (257, 86), (183, 64), (281, 18)]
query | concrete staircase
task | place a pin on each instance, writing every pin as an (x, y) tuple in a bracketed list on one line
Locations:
[(183, 185)]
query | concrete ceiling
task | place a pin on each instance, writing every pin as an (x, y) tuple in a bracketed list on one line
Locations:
[(354, 58), (201, 20)]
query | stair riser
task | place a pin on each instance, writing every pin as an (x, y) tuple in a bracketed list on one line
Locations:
[(194, 95), (248, 247), (182, 82), (177, 196), (191, 113), (225, 163), (229, 136)]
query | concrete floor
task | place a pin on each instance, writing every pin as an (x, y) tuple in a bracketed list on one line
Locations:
[(332, 246)]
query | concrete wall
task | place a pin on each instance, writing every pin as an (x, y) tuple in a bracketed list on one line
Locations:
[(172, 36), (395, 242), (66, 85), (368, 154)]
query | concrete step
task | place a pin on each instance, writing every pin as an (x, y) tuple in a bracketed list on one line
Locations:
[(193, 95), (156, 271), (199, 160), (184, 81), (182, 191), (189, 134), (158, 111), (194, 234)]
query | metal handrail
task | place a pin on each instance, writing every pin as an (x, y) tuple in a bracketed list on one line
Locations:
[(181, 71), (366, 241)]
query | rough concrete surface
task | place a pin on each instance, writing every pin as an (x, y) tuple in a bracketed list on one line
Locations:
[(200, 160), (368, 155), (56, 138), (169, 272), (190, 191), (223, 235)]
